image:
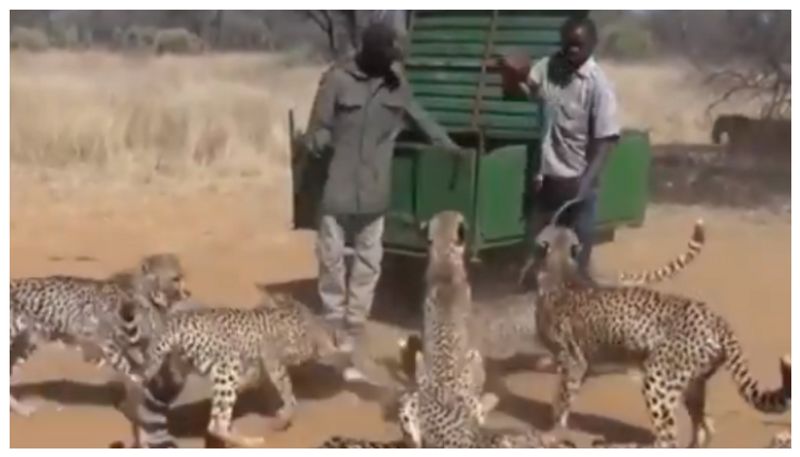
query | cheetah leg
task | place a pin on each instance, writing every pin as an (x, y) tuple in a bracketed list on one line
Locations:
[(662, 394), (21, 347), (572, 368), (489, 402), (279, 376), (695, 402), (226, 383), (408, 414)]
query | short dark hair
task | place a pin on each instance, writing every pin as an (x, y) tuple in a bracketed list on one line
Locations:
[(378, 33), (581, 21)]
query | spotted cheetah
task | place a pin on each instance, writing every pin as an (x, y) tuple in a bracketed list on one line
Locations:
[(83, 312), (238, 347), (678, 343), (446, 311), (450, 406)]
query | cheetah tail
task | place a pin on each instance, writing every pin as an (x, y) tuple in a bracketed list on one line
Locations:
[(674, 266), (767, 401)]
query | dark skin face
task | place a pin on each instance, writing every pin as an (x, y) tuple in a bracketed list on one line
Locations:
[(577, 45), (378, 53)]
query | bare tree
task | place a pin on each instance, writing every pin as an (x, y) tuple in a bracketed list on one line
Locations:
[(343, 27), (742, 53)]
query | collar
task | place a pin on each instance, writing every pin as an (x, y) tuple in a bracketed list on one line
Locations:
[(352, 67), (585, 70)]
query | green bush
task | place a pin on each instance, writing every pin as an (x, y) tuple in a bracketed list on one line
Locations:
[(29, 39)]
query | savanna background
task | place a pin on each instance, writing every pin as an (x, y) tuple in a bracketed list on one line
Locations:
[(141, 131)]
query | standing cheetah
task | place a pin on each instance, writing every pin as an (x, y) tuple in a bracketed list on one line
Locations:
[(450, 406), (84, 312), (238, 347), (678, 342)]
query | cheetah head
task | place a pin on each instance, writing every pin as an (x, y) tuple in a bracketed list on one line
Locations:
[(162, 278), (447, 242), (557, 248)]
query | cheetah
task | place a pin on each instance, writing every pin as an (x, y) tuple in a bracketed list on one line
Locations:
[(83, 312), (448, 398), (678, 343), (447, 308), (238, 347)]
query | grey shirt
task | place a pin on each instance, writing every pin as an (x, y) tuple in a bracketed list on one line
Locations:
[(357, 119), (577, 111)]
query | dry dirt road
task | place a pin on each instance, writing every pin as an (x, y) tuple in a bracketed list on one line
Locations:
[(228, 247)]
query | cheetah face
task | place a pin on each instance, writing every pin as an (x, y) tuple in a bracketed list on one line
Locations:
[(447, 237), (164, 279), (557, 248)]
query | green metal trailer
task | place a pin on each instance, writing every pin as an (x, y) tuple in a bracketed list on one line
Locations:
[(445, 65)]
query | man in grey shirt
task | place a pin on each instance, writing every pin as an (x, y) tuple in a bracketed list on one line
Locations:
[(580, 129), (361, 105)]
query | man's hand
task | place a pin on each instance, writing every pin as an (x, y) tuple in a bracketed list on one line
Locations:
[(603, 149), (536, 184), (305, 141), (514, 68)]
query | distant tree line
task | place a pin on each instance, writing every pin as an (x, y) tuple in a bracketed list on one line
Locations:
[(741, 52), (330, 33)]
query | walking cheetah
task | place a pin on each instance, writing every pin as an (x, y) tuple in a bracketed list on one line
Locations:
[(84, 312), (238, 347), (678, 343)]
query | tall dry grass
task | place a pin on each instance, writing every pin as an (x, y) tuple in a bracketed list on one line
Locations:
[(83, 118), (126, 120)]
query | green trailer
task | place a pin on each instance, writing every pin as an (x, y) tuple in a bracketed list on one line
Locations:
[(445, 65)]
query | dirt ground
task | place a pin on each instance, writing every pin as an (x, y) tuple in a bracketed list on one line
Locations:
[(228, 248)]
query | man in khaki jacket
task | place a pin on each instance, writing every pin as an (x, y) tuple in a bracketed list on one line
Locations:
[(361, 105)]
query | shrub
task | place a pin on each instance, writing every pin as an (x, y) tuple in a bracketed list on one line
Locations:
[(29, 39), (178, 41)]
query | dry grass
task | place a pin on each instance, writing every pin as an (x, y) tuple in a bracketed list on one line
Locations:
[(121, 121), (83, 118)]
